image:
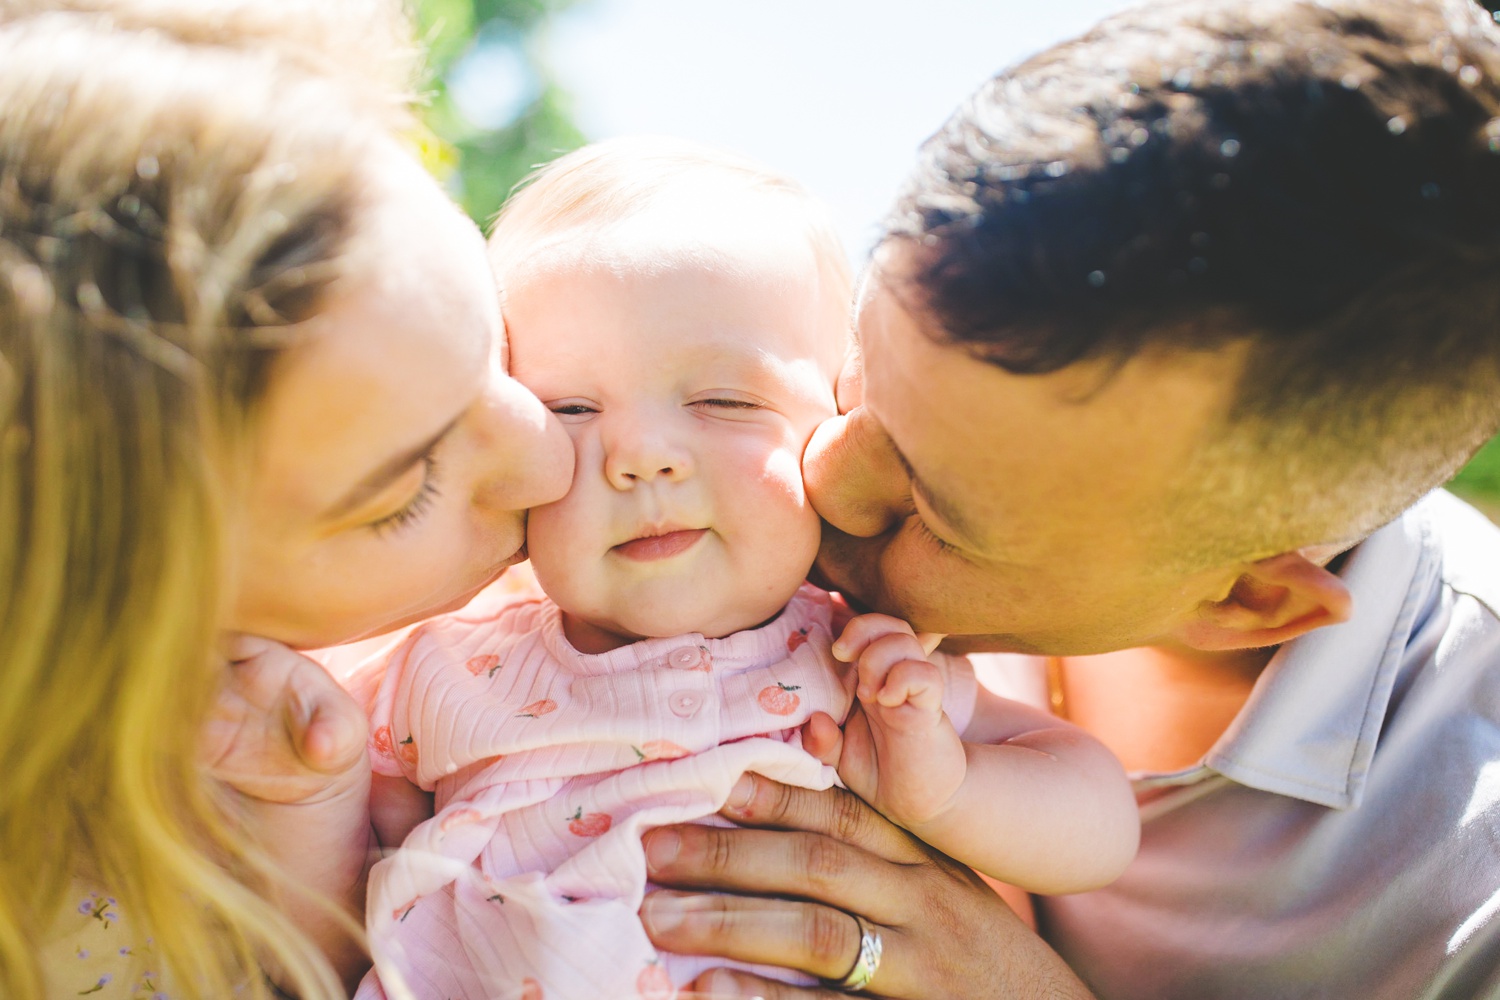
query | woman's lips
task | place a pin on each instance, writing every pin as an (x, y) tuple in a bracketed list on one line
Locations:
[(649, 548)]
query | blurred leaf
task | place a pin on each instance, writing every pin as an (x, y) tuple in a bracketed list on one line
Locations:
[(1480, 479), (481, 165), (494, 162), (446, 26)]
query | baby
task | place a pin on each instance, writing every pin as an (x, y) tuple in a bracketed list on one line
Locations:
[(684, 314)]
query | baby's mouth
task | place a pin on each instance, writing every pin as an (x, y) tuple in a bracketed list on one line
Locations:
[(660, 544)]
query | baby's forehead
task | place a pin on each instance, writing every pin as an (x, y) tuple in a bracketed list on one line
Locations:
[(750, 289), (731, 241)]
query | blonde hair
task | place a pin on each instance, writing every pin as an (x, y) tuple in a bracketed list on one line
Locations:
[(611, 181), (170, 204)]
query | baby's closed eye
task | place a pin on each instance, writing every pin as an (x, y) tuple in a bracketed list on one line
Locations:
[(575, 408)]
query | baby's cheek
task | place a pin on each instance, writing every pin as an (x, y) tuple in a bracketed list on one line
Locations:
[(792, 528), (551, 535), (782, 479)]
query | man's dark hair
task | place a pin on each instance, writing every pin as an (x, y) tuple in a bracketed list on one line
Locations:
[(1322, 177), (1318, 180)]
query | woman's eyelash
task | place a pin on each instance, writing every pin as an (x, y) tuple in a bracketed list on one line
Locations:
[(419, 504)]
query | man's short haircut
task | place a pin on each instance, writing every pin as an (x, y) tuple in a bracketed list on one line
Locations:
[(1318, 181), (606, 183)]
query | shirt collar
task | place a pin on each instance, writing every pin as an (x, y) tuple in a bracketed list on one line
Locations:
[(765, 644), (1311, 724)]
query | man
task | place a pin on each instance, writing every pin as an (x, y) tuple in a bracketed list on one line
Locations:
[(1171, 325)]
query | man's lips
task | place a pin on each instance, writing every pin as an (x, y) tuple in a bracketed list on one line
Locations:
[(649, 548)]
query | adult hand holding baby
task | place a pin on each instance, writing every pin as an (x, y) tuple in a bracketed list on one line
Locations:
[(805, 862), (899, 752)]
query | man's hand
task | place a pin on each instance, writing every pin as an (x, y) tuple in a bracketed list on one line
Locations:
[(782, 893)]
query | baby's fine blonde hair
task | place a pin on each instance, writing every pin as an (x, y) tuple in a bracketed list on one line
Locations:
[(179, 183), (610, 182)]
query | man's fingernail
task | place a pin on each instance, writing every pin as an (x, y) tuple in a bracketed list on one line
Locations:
[(741, 794), (662, 847), (661, 913)]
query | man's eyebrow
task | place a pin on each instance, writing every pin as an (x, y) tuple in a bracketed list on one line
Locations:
[(386, 473), (951, 516)]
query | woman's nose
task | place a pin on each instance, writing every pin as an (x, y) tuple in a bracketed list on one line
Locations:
[(636, 451), (530, 451), (854, 474)]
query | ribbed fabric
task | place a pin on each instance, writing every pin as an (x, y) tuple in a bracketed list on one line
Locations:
[(547, 766)]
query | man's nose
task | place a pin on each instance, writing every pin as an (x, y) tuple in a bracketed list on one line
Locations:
[(637, 452), (855, 477)]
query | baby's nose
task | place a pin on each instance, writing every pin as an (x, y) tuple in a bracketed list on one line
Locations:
[(646, 459)]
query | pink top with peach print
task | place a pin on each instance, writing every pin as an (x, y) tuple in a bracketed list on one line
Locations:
[(547, 766)]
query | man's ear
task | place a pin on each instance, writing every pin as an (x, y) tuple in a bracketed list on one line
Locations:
[(1271, 602)]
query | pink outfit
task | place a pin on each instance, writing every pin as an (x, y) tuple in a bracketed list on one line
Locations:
[(549, 764)]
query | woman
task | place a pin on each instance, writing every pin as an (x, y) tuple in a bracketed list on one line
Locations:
[(251, 381)]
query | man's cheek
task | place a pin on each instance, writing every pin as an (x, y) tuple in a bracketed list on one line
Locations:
[(848, 565)]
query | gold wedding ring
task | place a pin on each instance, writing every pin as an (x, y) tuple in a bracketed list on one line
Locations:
[(865, 963)]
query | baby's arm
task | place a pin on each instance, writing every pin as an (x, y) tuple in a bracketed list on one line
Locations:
[(1025, 798), (397, 807)]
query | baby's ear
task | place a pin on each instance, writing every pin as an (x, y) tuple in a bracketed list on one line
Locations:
[(1272, 601)]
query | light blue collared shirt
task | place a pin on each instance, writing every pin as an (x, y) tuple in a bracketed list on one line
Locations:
[(1342, 838)]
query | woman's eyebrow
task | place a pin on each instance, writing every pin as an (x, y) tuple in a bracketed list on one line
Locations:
[(386, 473)]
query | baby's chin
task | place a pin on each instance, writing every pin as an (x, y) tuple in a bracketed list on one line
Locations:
[(594, 633)]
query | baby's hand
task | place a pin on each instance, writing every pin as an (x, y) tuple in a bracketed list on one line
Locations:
[(283, 732), (291, 743), (898, 750)]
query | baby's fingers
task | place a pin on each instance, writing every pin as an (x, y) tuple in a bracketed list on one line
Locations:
[(325, 725), (916, 683), (880, 656), (863, 630)]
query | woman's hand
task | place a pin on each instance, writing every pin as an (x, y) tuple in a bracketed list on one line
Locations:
[(811, 860), (291, 744)]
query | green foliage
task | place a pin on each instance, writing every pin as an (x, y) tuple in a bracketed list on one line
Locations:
[(479, 163), (1480, 479)]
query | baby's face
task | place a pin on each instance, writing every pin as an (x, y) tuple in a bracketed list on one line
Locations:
[(690, 384)]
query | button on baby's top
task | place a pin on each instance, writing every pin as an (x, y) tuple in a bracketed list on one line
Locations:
[(685, 704)]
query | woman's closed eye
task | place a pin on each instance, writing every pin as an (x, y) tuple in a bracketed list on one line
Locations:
[(420, 503)]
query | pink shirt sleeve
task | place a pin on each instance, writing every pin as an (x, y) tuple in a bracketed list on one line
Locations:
[(375, 685)]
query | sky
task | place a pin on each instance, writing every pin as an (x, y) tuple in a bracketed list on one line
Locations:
[(837, 93)]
